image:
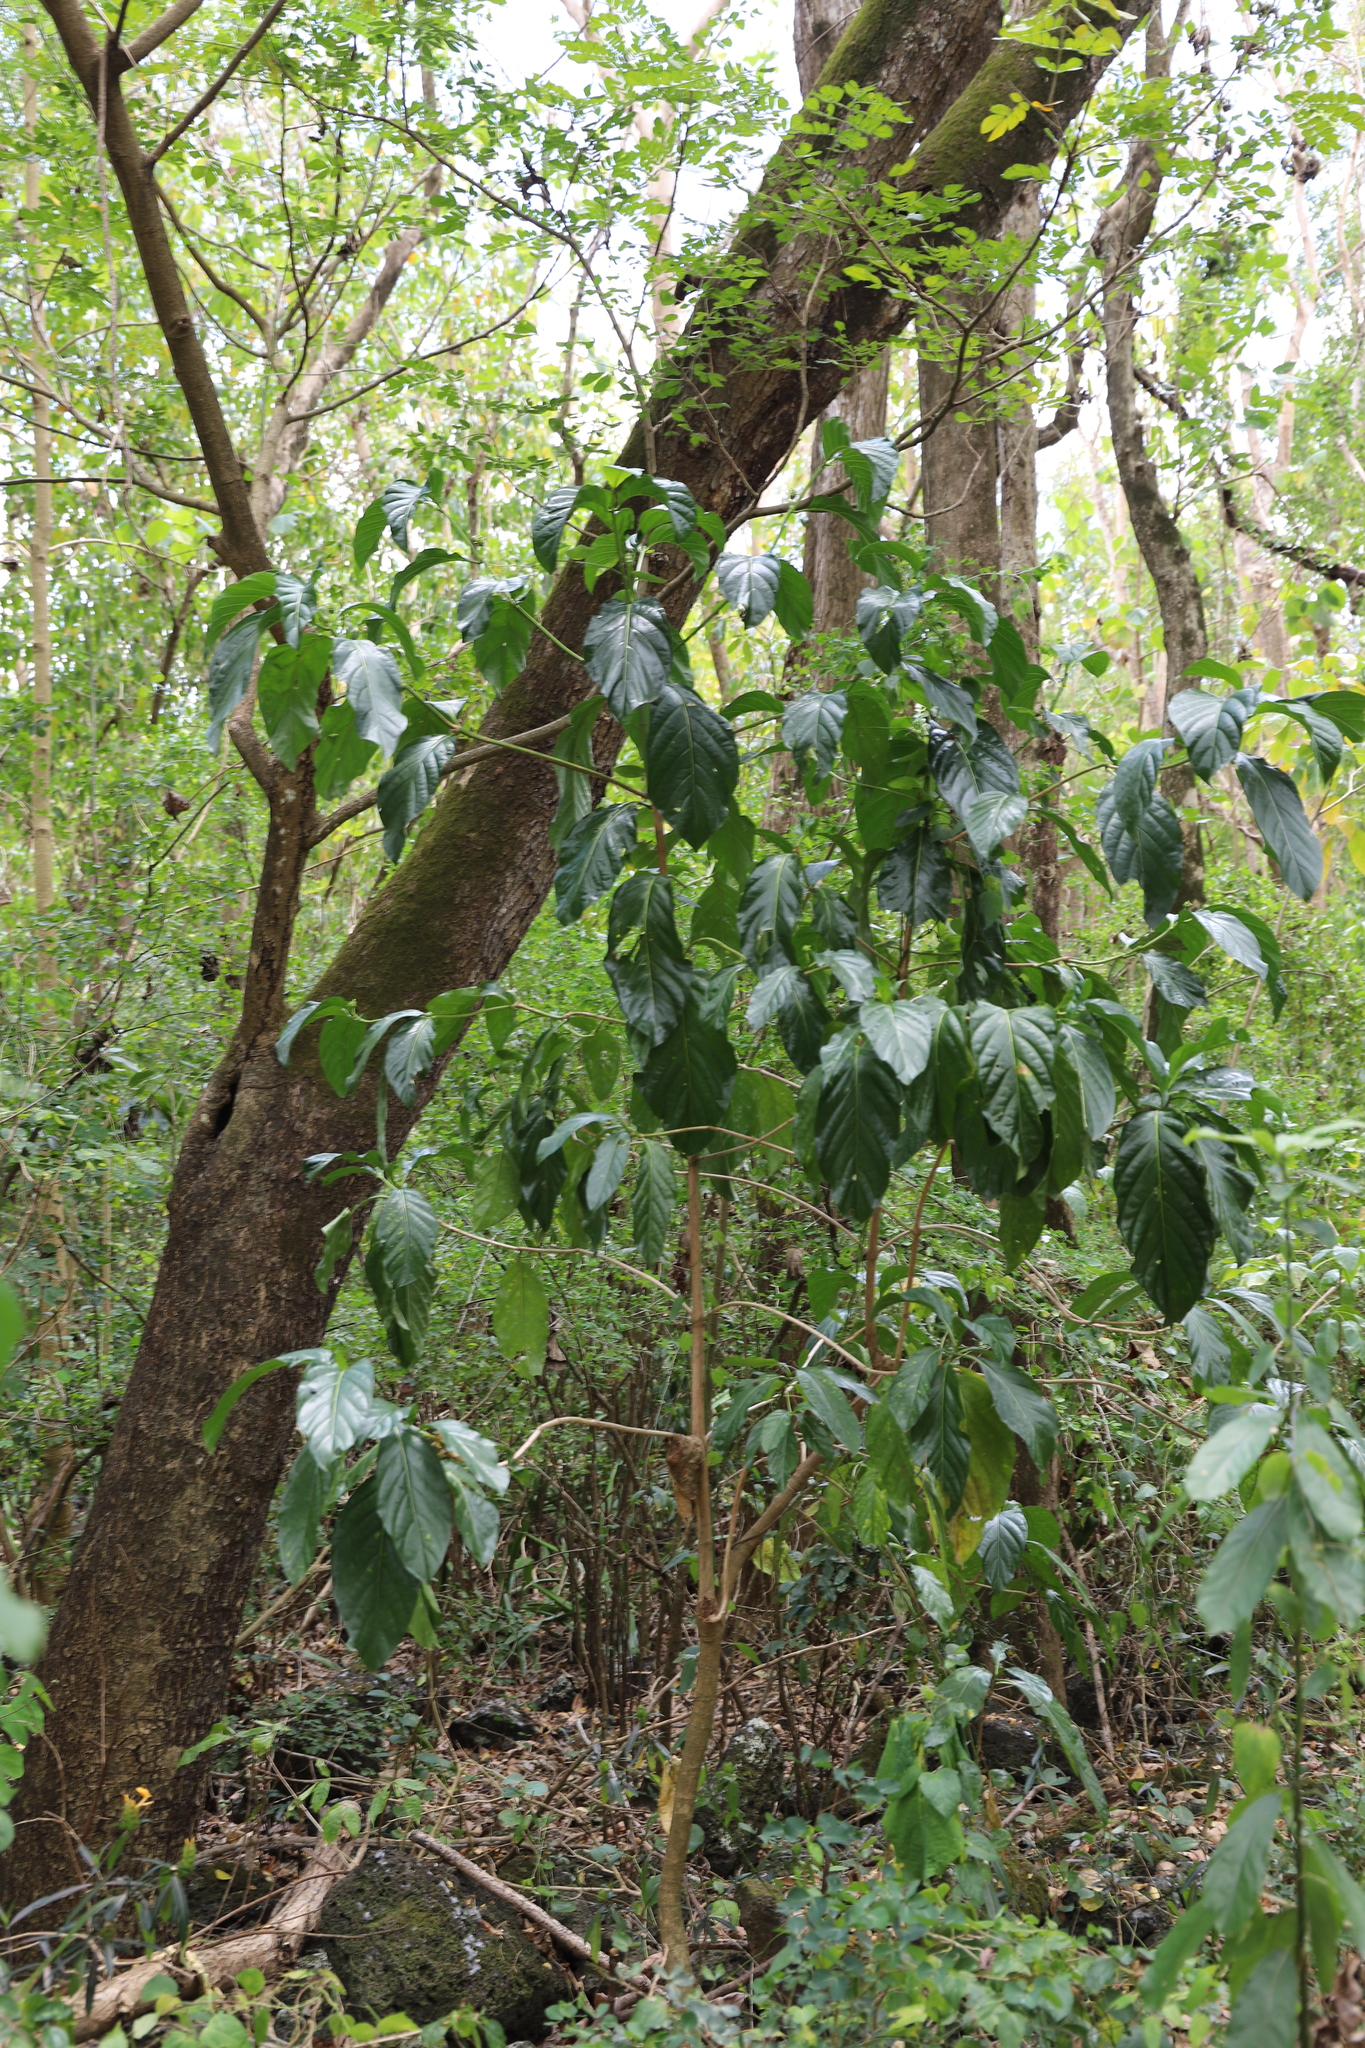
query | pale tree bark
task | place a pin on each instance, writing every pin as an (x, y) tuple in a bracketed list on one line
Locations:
[(140, 1652), (40, 555)]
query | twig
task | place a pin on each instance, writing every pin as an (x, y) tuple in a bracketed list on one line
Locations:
[(537, 1915), (206, 99), (268, 1614)]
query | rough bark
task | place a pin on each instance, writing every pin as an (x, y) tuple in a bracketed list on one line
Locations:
[(960, 468), (834, 578), (140, 1652)]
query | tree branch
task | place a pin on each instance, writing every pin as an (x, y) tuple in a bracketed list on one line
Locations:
[(367, 799), (1306, 558), (160, 31), (205, 100)]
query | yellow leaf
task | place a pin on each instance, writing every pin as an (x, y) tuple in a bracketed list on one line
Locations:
[(668, 1779)]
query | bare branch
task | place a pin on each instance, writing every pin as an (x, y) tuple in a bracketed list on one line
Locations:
[(517, 742), (160, 31)]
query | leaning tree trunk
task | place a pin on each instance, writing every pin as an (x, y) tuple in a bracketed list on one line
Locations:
[(140, 1652)]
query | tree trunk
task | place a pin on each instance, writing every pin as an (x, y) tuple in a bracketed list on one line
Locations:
[(960, 468), (140, 1652)]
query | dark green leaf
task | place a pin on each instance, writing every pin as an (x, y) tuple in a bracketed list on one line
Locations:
[(297, 601), (408, 1055), (1235, 938), (405, 1230), (651, 1213), (374, 690), (1234, 1585), (915, 881), (1277, 809), (812, 725), (302, 1504), (375, 1591), (749, 583), (548, 522), (902, 1033), (414, 1501), (802, 1024), (628, 653), (369, 531), (855, 1129), (1003, 1543), (794, 604), (591, 857), (230, 667), (961, 773), (1022, 1408), (500, 650), (937, 1440), (693, 764), (1014, 1051), (871, 468), (407, 788), (1097, 1081), (607, 1171), (651, 986), (1164, 1215), (885, 615), (688, 1078), (574, 745), (1345, 709), (829, 1402), (244, 1382), (1022, 1217), (1230, 1190), (1265, 2009), (990, 818), (1176, 983), (1322, 732), (775, 990), (1211, 728), (1154, 858), (400, 500), (947, 700), (770, 906), (1135, 781)]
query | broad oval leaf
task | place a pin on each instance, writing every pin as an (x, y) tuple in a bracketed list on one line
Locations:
[(884, 617), (688, 1078), (374, 690), (902, 1033), (405, 1230), (770, 906), (591, 858), (375, 1591), (812, 724), (302, 1504), (230, 668), (334, 1403), (548, 522), (405, 789), (775, 990), (414, 1501), (1229, 1454), (604, 1176), (476, 1452), (1001, 1546), (629, 653), (1014, 1051), (1211, 728), (1235, 1583), (521, 1314), (990, 818), (692, 764), (749, 583), (1164, 1215), (856, 1124), (828, 1400), (1278, 810), (915, 881)]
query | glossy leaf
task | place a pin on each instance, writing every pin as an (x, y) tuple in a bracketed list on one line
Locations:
[(591, 859), (693, 764), (828, 1400), (1278, 810), (1164, 1215), (902, 1033), (334, 1403), (915, 881), (1014, 1050), (414, 1501), (1153, 858), (651, 1212), (628, 653), (375, 1591), (405, 1230), (406, 788), (302, 1504), (548, 522), (230, 667), (475, 1518), (884, 617), (937, 1439), (856, 1124), (1211, 728), (374, 690), (749, 583), (1002, 1544), (1022, 1408), (652, 983), (812, 725), (770, 906)]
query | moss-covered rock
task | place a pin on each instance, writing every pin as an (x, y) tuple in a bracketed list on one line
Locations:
[(745, 1792), (404, 1936)]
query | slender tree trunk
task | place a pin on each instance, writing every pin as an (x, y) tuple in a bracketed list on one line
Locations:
[(140, 1652)]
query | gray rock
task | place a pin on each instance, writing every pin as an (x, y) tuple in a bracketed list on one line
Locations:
[(498, 1725), (560, 1694), (760, 1915), (403, 1936), (1009, 1742), (749, 1785)]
